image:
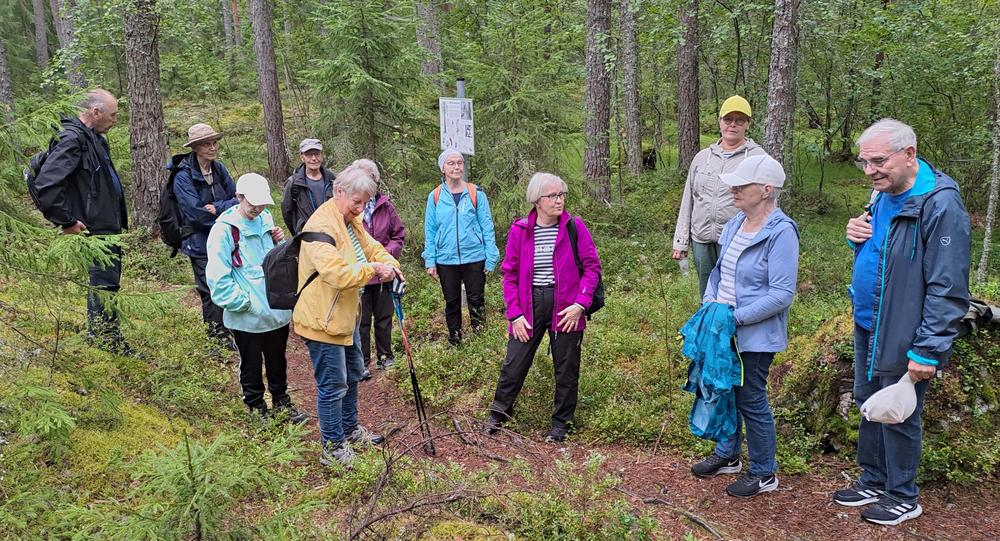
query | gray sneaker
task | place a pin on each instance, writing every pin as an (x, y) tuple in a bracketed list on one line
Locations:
[(363, 437), (341, 454)]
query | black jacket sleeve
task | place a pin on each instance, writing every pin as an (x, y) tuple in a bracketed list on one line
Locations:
[(53, 180)]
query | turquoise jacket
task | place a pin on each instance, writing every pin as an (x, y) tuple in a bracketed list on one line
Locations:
[(240, 291), (459, 234)]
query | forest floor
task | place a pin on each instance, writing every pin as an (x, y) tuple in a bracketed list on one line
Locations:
[(658, 481)]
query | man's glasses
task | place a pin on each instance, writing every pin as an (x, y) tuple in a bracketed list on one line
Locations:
[(555, 196), (876, 163)]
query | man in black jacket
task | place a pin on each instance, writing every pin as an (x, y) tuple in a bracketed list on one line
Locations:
[(80, 191), (309, 186)]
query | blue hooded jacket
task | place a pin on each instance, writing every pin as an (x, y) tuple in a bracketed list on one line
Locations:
[(193, 193), (459, 234), (766, 277)]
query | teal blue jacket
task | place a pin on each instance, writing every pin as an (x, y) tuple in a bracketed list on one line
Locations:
[(240, 291), (459, 234)]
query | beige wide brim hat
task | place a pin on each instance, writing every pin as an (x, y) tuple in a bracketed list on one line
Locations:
[(200, 133)]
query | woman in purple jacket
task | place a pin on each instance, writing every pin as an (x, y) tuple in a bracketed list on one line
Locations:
[(544, 291), (384, 225)]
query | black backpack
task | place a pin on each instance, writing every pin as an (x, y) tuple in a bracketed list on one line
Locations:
[(35, 166), (598, 301), (172, 228), (281, 270)]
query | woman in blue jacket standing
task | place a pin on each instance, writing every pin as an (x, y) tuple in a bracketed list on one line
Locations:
[(459, 243), (236, 247), (756, 276)]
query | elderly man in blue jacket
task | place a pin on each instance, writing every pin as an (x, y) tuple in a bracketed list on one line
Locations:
[(910, 289)]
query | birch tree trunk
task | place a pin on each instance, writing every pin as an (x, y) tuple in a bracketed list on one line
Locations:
[(270, 97), (429, 39), (991, 209), (147, 130), (630, 71), (6, 88), (227, 27), (781, 81), (597, 101), (687, 87), (41, 34), (61, 10)]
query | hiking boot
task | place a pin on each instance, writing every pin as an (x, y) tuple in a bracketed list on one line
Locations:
[(857, 495), (492, 425), (557, 434), (366, 375), (455, 338), (337, 453), (260, 413), (889, 512), (752, 485), (289, 414), (715, 464), (385, 363), (363, 437)]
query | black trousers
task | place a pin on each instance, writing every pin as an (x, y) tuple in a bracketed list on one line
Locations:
[(376, 307), (103, 324), (565, 349), (264, 350), (210, 313), (473, 275)]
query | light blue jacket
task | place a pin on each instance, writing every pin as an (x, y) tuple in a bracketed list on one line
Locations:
[(455, 235), (766, 277), (240, 291)]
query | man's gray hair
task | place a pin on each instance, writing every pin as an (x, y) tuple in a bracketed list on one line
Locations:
[(369, 167), (538, 182), (97, 97), (354, 180), (897, 134)]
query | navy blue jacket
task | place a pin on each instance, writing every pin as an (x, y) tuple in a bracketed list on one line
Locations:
[(922, 281), (193, 193)]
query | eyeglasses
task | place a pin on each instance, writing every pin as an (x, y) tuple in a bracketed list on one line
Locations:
[(739, 121), (876, 163), (555, 196)]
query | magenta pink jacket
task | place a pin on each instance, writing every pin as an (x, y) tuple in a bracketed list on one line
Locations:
[(387, 228), (570, 287)]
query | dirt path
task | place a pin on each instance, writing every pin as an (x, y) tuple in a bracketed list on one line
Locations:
[(662, 484)]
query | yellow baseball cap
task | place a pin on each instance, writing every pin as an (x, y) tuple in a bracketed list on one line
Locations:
[(735, 104)]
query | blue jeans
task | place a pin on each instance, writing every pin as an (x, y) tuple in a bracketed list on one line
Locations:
[(754, 411), (888, 454), (337, 370), (706, 255)]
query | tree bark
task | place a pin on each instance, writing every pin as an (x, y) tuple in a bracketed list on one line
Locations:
[(429, 39), (147, 130), (597, 101), (6, 89), (781, 80), (41, 34), (270, 97), (687, 87), (630, 72), (64, 31), (991, 208), (234, 10), (227, 28)]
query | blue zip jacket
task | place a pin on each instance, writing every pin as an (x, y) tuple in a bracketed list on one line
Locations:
[(713, 372), (455, 235), (193, 193), (240, 291), (922, 280), (766, 277)]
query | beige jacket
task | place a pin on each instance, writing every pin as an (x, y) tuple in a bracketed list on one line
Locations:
[(707, 203)]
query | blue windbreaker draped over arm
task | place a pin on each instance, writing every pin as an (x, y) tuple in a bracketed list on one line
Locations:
[(713, 372)]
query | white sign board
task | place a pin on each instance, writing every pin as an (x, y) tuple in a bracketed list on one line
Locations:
[(456, 125)]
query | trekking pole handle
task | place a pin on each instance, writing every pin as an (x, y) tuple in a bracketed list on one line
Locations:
[(398, 287)]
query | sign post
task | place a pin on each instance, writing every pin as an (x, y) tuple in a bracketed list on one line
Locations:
[(456, 122)]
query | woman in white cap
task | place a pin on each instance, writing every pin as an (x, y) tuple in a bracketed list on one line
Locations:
[(756, 276), (459, 243), (707, 205), (204, 190), (237, 244)]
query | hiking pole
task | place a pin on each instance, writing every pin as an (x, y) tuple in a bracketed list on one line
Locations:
[(398, 288)]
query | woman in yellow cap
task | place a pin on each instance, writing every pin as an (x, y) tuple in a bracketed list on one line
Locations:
[(707, 203)]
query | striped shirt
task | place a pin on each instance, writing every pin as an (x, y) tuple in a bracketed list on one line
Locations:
[(545, 245), (727, 282), (357, 245)]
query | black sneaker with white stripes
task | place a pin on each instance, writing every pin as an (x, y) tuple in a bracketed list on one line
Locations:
[(857, 495), (714, 465), (889, 512), (752, 485)]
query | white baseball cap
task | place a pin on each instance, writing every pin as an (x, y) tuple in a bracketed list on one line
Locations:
[(760, 169), (255, 189)]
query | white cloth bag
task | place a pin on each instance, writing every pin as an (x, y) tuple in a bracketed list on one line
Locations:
[(893, 404)]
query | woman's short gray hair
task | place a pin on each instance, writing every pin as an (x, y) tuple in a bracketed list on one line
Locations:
[(897, 134), (355, 180), (538, 182), (369, 167)]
